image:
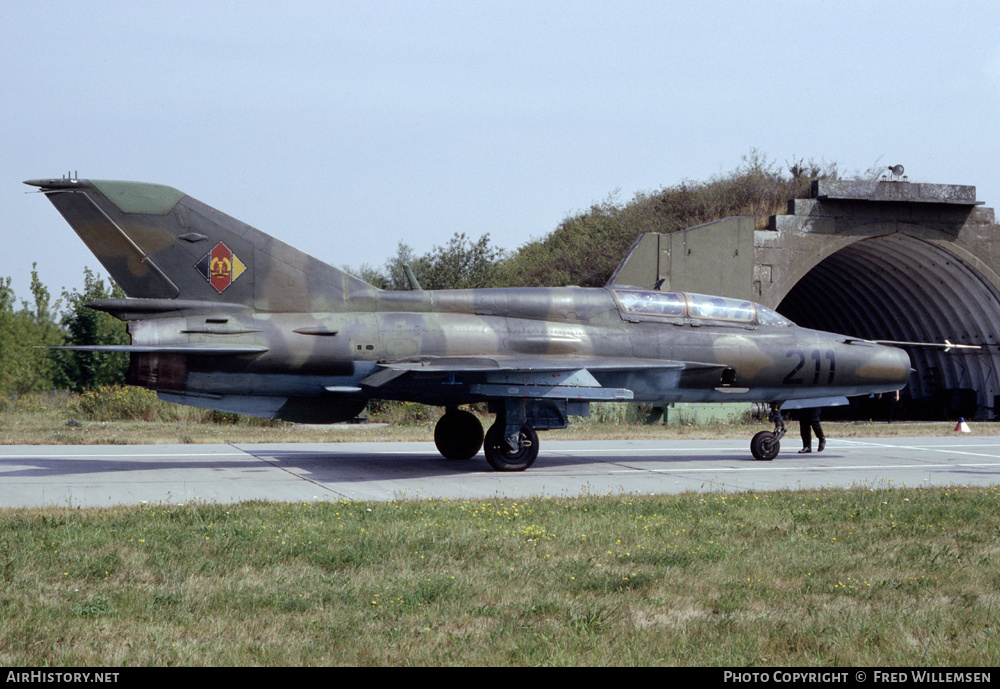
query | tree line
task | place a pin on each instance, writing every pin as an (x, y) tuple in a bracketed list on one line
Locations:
[(584, 249), (28, 328)]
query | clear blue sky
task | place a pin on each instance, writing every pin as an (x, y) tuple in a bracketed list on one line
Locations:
[(345, 127)]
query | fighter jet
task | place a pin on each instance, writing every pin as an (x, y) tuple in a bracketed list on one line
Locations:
[(223, 316)]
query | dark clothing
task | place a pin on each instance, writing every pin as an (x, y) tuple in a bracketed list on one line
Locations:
[(809, 420)]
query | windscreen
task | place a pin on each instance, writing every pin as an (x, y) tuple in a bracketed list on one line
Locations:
[(654, 303), (720, 308), (700, 306)]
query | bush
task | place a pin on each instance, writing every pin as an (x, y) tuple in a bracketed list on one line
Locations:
[(122, 403), (402, 413)]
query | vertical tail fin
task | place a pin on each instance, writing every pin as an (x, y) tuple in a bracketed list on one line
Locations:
[(157, 242)]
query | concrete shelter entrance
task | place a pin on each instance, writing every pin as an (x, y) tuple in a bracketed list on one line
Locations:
[(885, 260)]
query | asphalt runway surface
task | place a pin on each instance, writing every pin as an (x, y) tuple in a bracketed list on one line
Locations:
[(102, 476)]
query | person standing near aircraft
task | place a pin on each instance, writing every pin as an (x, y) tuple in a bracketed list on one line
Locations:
[(808, 423)]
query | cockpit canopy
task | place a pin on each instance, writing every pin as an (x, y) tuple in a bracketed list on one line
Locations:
[(685, 305)]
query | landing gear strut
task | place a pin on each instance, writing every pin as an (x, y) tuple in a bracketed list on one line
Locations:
[(511, 442), (458, 434), (765, 445)]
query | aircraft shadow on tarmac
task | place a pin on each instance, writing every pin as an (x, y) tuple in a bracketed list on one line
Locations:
[(336, 464), (46, 467), (326, 465)]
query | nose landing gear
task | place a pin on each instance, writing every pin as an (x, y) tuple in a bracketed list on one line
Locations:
[(764, 446)]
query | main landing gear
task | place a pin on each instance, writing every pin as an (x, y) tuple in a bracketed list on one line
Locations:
[(514, 452), (458, 434), (765, 445), (508, 446)]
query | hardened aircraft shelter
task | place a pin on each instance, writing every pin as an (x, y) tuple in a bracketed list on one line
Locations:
[(881, 260)]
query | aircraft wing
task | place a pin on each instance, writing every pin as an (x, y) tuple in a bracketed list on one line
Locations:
[(536, 377)]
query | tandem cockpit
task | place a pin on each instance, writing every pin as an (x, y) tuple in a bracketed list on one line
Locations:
[(640, 304)]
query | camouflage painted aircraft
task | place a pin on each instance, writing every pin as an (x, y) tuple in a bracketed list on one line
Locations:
[(223, 316)]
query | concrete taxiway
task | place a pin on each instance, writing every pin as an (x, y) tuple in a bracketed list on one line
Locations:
[(100, 476)]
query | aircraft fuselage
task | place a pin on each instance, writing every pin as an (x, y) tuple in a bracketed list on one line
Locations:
[(330, 354)]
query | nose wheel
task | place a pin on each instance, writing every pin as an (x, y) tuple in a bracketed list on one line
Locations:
[(764, 446)]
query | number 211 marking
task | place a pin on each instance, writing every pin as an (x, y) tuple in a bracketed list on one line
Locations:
[(818, 356)]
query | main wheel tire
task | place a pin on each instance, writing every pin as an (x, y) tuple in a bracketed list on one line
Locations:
[(502, 458), (458, 435), (764, 446)]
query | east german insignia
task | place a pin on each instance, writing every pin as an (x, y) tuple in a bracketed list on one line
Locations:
[(220, 267)]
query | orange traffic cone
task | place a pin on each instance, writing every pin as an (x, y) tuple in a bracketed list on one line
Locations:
[(962, 427)]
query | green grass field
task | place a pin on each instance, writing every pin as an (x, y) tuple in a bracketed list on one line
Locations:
[(858, 578)]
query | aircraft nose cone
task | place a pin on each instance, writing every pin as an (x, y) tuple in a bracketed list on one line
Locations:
[(895, 366), (905, 365)]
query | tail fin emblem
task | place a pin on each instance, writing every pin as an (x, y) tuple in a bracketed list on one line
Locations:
[(220, 267)]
